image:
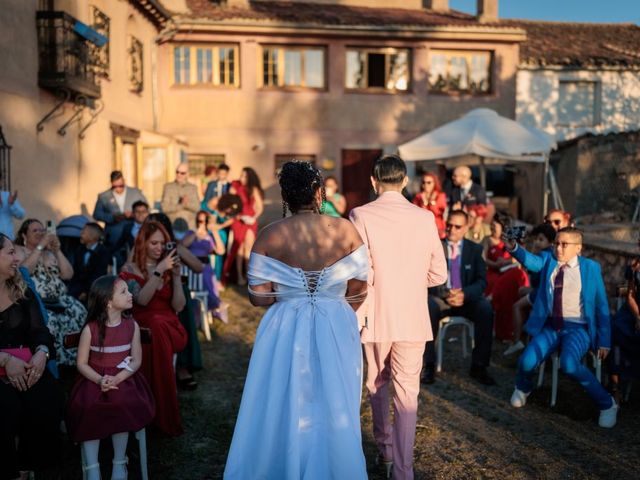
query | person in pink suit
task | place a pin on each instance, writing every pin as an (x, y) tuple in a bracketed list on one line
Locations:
[(406, 258)]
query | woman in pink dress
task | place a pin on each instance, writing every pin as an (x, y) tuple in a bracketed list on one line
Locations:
[(153, 277), (432, 198), (245, 225)]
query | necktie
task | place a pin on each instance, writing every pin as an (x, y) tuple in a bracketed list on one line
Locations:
[(556, 314), (454, 267)]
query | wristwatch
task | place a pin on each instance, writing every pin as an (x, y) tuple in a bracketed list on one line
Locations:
[(44, 349), (157, 273)]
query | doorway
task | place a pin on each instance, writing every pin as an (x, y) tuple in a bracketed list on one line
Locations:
[(356, 171)]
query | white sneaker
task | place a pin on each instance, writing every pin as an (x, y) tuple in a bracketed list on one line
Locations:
[(515, 347), (519, 398), (608, 417)]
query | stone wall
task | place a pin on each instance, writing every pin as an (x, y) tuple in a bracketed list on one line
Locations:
[(614, 256)]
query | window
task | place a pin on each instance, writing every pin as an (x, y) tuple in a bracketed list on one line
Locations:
[(578, 103), (281, 159), (102, 25), (460, 71), (198, 163), (136, 73), (285, 67), (213, 65), (384, 69)]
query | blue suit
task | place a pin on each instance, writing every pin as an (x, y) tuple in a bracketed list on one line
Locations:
[(212, 190), (573, 339)]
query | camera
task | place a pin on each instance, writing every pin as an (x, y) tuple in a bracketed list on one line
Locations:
[(517, 233), (170, 246)]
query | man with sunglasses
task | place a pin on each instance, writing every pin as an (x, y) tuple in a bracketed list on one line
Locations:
[(180, 198), (570, 313), (115, 208), (462, 296)]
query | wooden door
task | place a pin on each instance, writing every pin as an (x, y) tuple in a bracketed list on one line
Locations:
[(356, 172)]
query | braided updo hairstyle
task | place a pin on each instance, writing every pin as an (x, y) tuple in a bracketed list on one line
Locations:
[(299, 182)]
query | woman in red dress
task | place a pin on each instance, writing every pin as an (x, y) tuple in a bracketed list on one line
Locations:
[(432, 198), (495, 255), (245, 225), (153, 277)]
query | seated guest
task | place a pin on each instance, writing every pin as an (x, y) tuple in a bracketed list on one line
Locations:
[(465, 192), (40, 252), (432, 198), (30, 401), (153, 277), (223, 210), (558, 219), (478, 230), (204, 242), (140, 211), (462, 296), (624, 362), (190, 358), (91, 261), (495, 254), (571, 313), (542, 237)]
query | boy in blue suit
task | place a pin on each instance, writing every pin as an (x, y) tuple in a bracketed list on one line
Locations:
[(570, 312)]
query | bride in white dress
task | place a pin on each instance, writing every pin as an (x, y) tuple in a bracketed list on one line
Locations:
[(300, 412)]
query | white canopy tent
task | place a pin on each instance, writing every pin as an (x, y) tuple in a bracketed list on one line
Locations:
[(494, 139)]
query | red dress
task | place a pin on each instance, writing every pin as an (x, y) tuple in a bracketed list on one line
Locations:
[(505, 295), (93, 414), (495, 252), (239, 228), (168, 336), (437, 207)]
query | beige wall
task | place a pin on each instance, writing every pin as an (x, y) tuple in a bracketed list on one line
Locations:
[(367, 3), (61, 175), (250, 125)]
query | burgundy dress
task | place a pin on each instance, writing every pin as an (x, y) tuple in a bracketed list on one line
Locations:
[(239, 228), (93, 414), (168, 336)]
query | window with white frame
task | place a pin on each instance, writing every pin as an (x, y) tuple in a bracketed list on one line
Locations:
[(463, 71), (383, 69), (291, 66), (216, 65), (578, 103)]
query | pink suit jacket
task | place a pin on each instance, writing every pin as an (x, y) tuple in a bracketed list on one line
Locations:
[(406, 258)]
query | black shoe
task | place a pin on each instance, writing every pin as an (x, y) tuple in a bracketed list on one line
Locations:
[(428, 375), (480, 374), (188, 383)]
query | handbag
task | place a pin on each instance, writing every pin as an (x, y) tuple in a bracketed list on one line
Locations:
[(23, 353)]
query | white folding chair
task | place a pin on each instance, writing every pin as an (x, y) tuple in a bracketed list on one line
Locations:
[(555, 367), (195, 283), (467, 329), (141, 437)]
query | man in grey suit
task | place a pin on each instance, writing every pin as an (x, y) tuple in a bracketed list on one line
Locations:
[(180, 198), (114, 208)]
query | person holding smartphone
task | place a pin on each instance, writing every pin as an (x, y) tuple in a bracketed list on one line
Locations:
[(153, 277)]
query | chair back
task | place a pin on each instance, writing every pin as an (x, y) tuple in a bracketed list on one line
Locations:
[(195, 281)]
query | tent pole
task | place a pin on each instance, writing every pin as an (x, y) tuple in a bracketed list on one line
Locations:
[(483, 174), (545, 194)]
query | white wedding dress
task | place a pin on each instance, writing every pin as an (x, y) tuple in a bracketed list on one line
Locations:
[(300, 412)]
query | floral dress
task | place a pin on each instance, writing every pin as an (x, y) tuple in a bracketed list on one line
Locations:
[(69, 314)]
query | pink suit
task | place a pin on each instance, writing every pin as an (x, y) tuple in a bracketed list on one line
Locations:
[(406, 258)]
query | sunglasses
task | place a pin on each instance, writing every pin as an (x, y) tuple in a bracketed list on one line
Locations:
[(113, 187), (178, 172), (428, 182), (554, 222), (453, 225)]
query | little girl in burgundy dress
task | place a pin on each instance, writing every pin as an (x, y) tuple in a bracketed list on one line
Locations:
[(110, 398)]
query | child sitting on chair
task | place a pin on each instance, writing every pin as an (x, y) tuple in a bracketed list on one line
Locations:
[(570, 313), (110, 398)]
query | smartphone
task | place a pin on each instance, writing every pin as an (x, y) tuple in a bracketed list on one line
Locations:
[(170, 246), (51, 227)]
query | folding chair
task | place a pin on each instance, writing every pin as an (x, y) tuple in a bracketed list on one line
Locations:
[(195, 283), (555, 367), (467, 329)]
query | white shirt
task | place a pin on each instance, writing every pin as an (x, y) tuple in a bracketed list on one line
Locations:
[(220, 186), (464, 189), (571, 288), (120, 197)]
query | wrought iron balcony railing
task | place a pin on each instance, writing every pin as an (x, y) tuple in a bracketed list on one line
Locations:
[(67, 54)]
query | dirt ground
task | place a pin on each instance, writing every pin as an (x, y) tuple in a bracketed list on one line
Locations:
[(465, 430)]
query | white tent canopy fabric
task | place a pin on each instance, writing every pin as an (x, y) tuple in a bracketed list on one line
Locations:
[(484, 133)]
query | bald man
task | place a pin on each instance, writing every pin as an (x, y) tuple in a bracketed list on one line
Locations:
[(465, 193)]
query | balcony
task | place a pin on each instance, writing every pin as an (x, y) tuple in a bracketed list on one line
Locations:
[(68, 55)]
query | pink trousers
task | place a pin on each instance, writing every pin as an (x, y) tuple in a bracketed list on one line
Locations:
[(401, 363)]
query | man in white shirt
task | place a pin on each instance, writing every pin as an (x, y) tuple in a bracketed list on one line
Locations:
[(9, 208), (570, 313)]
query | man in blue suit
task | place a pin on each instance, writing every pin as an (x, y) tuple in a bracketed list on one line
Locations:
[(217, 188), (570, 312)]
